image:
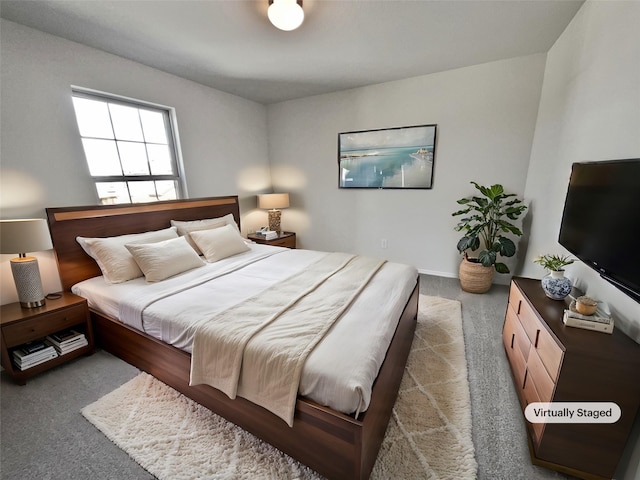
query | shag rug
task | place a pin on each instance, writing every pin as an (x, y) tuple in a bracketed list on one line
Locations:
[(429, 434)]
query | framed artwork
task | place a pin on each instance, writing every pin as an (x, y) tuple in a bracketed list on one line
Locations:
[(400, 157)]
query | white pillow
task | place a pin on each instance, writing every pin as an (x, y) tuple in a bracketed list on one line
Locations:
[(219, 243), (186, 227), (186, 232), (115, 261), (217, 222), (164, 259)]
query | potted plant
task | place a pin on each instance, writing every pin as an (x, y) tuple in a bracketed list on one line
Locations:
[(555, 284), (485, 220)]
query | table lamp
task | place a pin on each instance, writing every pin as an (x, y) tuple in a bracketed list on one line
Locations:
[(272, 202), (28, 235)]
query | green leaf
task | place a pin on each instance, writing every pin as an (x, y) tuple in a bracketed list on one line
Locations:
[(507, 247), (487, 258), (495, 191), (464, 243), (501, 267), (482, 202), (461, 212), (509, 227)]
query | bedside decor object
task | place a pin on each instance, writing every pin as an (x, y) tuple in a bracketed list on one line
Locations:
[(555, 285), (400, 157), (26, 235), (273, 202), (484, 222)]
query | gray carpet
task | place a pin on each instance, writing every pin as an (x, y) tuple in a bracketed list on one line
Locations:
[(43, 434)]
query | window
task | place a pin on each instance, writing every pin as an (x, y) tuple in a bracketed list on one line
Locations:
[(130, 149)]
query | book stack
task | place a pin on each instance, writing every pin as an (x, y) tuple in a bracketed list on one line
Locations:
[(67, 341), (268, 234), (598, 322), (32, 354)]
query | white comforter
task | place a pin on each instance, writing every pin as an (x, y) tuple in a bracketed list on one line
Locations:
[(338, 373)]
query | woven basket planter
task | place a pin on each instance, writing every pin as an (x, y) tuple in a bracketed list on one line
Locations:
[(475, 277)]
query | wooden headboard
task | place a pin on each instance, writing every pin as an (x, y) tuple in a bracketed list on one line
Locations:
[(67, 223)]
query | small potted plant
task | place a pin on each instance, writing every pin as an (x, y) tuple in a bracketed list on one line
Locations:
[(485, 221), (555, 284)]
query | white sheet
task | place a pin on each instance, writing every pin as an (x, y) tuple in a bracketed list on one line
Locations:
[(339, 372)]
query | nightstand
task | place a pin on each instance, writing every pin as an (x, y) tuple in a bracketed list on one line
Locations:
[(285, 239), (21, 325)]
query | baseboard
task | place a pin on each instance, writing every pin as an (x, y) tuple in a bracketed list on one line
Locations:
[(498, 279), (437, 274)]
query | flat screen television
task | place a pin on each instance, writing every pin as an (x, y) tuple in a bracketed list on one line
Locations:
[(601, 220)]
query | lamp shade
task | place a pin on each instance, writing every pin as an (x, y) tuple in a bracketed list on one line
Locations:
[(24, 235), (273, 200)]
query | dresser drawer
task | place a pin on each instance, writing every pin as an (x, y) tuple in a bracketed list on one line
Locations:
[(511, 333), (541, 340), (531, 396), (43, 325), (550, 353), (521, 338), (527, 316), (545, 386)]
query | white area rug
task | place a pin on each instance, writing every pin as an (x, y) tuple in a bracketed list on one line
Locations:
[(429, 435)]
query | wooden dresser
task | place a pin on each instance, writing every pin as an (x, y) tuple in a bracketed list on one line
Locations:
[(551, 362)]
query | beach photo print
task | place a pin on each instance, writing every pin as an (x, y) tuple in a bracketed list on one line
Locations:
[(400, 157)]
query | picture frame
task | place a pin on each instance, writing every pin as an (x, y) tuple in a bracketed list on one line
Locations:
[(387, 158)]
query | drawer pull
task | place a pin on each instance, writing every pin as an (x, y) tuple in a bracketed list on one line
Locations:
[(513, 337), (537, 338), (519, 305)]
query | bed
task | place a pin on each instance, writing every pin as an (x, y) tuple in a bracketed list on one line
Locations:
[(335, 444)]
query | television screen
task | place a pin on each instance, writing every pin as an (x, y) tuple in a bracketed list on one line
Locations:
[(601, 220)]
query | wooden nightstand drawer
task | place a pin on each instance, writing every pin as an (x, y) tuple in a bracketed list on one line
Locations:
[(284, 239), (289, 242), (43, 325)]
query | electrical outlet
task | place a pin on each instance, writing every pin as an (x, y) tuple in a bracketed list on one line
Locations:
[(384, 243)]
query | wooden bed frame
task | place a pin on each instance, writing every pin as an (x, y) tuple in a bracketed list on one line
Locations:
[(334, 444)]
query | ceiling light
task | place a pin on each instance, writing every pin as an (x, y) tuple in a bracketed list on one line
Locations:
[(285, 14)]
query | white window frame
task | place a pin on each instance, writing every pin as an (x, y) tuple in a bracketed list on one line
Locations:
[(172, 135)]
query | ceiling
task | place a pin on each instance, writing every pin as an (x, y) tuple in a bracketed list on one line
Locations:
[(231, 46)]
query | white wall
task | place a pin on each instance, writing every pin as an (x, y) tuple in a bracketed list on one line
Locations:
[(486, 117), (589, 111), (223, 137)]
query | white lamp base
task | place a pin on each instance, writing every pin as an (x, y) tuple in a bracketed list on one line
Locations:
[(26, 275)]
